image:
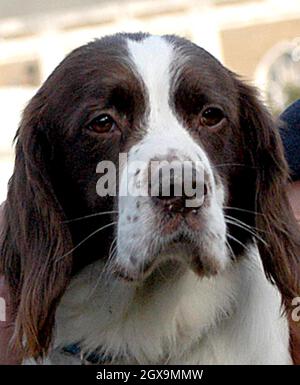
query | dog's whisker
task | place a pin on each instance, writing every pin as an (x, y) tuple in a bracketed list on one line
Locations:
[(90, 216), (86, 239), (244, 226), (242, 210), (248, 230), (239, 242), (107, 268), (230, 249), (112, 246), (104, 270), (230, 164)]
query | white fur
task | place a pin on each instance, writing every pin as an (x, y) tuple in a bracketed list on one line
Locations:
[(177, 318)]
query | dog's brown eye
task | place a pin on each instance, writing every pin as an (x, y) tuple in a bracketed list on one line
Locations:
[(102, 124), (211, 116)]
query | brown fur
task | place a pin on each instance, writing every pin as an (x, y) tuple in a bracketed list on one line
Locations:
[(34, 239)]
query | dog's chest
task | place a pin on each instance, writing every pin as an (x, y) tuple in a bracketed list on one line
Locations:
[(158, 322), (177, 319)]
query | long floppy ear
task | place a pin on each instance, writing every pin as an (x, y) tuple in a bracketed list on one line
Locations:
[(280, 253), (34, 253)]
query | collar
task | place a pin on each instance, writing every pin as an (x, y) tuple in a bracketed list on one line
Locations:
[(92, 358)]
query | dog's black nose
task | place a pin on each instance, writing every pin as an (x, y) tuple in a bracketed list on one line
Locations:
[(178, 189)]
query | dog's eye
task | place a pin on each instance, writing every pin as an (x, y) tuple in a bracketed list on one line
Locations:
[(102, 124), (211, 116)]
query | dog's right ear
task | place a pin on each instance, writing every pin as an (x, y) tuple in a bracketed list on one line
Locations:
[(275, 222), (35, 252)]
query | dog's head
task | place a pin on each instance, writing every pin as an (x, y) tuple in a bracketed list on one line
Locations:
[(132, 105)]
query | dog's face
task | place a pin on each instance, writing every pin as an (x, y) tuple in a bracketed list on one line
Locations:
[(185, 117), (157, 100)]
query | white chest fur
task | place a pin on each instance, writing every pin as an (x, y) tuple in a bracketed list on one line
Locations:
[(176, 317)]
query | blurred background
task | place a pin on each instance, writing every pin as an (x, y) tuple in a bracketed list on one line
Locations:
[(259, 39)]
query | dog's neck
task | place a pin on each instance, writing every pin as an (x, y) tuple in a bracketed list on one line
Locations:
[(163, 319)]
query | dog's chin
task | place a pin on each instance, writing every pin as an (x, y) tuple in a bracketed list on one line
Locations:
[(183, 255)]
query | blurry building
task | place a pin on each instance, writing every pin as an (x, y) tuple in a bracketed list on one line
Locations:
[(259, 39)]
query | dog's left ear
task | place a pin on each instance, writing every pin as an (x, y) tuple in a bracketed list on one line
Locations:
[(35, 254), (275, 222)]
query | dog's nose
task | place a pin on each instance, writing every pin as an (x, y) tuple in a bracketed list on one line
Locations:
[(178, 190)]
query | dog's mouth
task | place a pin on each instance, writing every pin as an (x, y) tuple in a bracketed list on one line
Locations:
[(183, 250), (171, 223)]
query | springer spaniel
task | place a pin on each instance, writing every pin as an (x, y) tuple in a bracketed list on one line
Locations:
[(148, 279)]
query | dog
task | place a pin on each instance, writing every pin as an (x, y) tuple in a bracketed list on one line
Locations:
[(142, 279)]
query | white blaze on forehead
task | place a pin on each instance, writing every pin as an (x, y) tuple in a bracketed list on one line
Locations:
[(153, 57)]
